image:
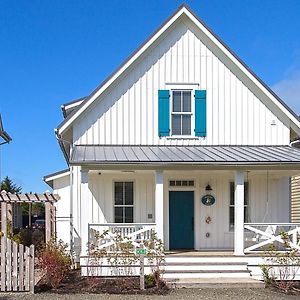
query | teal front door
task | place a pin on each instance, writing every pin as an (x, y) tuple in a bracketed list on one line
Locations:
[(181, 220)]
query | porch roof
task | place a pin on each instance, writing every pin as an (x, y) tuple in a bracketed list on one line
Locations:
[(185, 155)]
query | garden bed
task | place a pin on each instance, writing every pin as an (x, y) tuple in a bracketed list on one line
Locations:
[(74, 283)]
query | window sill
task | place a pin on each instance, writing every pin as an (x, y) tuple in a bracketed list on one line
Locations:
[(179, 137)]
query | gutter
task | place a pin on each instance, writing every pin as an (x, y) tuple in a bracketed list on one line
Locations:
[(62, 146)]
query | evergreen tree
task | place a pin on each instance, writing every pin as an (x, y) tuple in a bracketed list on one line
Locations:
[(9, 186)]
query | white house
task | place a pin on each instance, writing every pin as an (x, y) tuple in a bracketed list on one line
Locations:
[(183, 137)]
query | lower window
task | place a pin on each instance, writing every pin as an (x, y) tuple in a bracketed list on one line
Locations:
[(231, 205), (123, 202)]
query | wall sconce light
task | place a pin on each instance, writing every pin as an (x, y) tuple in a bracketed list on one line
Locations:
[(208, 188)]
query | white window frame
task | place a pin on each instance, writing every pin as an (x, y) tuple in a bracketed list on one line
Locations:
[(124, 205), (247, 206), (191, 113)]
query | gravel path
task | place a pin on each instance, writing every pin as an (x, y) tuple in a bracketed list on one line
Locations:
[(186, 294)]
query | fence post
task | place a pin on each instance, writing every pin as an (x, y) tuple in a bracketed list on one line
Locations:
[(3, 263), (31, 269), (142, 272)]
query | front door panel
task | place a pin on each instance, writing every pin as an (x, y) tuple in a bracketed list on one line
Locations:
[(181, 220)]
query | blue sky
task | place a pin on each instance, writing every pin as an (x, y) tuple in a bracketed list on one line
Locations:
[(55, 51)]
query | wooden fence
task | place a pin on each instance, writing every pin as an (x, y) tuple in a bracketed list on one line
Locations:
[(17, 267)]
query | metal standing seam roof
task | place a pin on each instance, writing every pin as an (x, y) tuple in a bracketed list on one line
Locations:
[(201, 155)]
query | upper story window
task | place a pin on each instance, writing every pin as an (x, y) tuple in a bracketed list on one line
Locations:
[(181, 118), (182, 113)]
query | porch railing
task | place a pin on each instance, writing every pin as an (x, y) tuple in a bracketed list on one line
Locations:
[(105, 236), (259, 236)]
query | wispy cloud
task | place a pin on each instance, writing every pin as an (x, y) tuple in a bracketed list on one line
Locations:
[(288, 89)]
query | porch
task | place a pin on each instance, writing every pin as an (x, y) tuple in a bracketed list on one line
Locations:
[(193, 197)]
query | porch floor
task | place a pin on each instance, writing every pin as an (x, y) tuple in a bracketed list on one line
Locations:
[(210, 253)]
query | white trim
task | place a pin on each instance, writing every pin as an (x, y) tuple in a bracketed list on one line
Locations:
[(191, 113), (213, 39)]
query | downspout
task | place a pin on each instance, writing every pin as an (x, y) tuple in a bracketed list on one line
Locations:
[(61, 143)]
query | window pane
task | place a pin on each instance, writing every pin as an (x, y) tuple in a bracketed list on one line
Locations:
[(118, 193), (118, 214), (176, 124), (186, 101), (231, 193), (231, 217), (176, 101), (128, 214), (129, 193), (246, 194), (246, 219), (186, 125)]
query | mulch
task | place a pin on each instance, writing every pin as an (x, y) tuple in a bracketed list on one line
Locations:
[(74, 283)]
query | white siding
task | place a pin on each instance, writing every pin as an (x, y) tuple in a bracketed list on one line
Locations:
[(101, 197), (62, 188), (127, 113)]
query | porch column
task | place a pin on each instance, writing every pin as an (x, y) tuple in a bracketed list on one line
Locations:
[(239, 213), (159, 204), (84, 209)]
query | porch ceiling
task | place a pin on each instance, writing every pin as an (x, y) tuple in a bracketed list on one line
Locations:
[(285, 156)]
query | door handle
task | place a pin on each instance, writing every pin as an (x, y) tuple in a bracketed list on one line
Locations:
[(192, 224)]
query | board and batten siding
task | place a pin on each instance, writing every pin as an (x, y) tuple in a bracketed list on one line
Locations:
[(295, 199), (61, 186), (269, 202), (127, 112)]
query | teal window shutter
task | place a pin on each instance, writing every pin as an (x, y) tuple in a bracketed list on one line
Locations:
[(163, 112), (200, 113)]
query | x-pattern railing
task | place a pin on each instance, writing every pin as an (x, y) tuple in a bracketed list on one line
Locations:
[(268, 233), (136, 233)]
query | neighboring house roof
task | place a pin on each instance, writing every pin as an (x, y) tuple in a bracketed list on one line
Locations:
[(3, 134), (51, 177), (185, 155), (234, 59)]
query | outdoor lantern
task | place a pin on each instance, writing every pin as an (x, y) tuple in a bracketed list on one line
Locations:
[(208, 188)]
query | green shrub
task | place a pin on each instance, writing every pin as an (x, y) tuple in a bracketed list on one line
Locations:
[(150, 280)]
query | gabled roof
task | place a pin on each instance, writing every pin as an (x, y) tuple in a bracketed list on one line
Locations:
[(183, 10), (3, 134)]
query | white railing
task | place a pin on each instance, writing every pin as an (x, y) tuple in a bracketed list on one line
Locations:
[(105, 236), (259, 236)]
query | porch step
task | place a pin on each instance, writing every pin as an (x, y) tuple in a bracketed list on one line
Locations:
[(214, 283), (183, 267)]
